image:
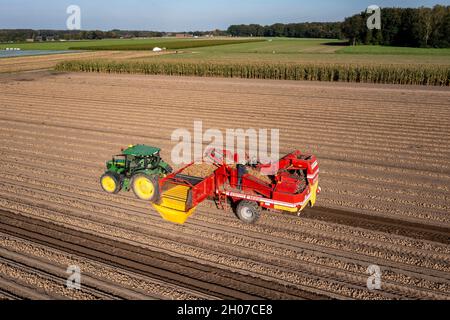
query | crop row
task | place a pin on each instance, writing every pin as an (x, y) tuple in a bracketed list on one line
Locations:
[(388, 74)]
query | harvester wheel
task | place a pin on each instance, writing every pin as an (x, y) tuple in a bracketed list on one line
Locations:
[(248, 211), (145, 187), (111, 182)]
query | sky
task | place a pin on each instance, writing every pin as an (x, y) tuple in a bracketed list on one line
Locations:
[(183, 15)]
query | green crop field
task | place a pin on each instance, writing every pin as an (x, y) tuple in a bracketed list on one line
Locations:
[(169, 45), (267, 50), (281, 46), (286, 50), (65, 45), (125, 44), (385, 50)]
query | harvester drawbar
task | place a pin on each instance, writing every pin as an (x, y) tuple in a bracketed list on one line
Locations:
[(290, 184)]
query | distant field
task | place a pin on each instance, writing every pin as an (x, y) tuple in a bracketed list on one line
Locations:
[(309, 51), (321, 58), (280, 46), (66, 45), (169, 45), (125, 44), (267, 50), (366, 49)]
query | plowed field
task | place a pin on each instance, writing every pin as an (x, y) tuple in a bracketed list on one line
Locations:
[(385, 176)]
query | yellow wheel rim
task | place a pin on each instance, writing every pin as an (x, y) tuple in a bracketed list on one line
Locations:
[(109, 184), (144, 188)]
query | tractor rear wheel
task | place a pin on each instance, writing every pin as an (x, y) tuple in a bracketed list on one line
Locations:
[(248, 211), (145, 187), (111, 182)]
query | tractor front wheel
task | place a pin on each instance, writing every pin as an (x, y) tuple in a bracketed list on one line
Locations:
[(248, 211), (145, 187), (111, 182)]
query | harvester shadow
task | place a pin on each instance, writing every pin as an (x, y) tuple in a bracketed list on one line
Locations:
[(379, 223)]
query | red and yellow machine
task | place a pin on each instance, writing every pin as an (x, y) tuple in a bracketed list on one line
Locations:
[(292, 183)]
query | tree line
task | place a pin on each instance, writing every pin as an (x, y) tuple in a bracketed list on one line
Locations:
[(22, 35), (328, 30), (418, 27), (413, 27)]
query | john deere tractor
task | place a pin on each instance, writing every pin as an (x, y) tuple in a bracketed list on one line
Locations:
[(139, 167)]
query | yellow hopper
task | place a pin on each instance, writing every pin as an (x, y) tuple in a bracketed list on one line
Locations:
[(173, 205)]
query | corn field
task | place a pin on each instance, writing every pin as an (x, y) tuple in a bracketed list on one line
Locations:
[(387, 74)]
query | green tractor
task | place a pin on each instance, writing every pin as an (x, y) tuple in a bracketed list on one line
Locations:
[(139, 167)]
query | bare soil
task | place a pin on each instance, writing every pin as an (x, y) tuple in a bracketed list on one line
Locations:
[(20, 64)]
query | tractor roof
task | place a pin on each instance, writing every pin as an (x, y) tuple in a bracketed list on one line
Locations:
[(141, 150)]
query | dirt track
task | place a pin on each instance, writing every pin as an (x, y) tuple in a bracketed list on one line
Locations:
[(385, 173)]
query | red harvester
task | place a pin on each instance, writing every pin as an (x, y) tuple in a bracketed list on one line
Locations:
[(292, 184)]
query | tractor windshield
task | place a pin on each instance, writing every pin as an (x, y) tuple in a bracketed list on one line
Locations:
[(135, 163), (139, 163)]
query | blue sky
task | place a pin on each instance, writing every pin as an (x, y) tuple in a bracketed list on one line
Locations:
[(179, 15)]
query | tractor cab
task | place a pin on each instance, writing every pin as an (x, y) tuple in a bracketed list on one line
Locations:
[(135, 158), (141, 157)]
